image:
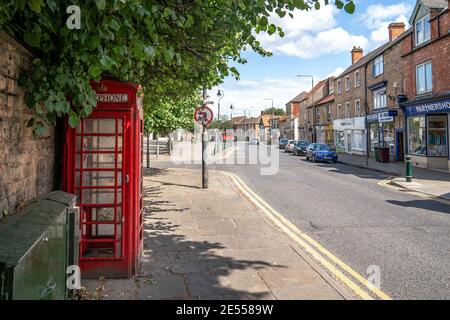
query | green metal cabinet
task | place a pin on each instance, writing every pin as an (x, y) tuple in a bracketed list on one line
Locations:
[(36, 246)]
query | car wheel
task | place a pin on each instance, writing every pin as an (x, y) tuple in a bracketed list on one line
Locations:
[(334, 161), (307, 158)]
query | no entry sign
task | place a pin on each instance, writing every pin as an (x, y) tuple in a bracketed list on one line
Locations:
[(203, 115)]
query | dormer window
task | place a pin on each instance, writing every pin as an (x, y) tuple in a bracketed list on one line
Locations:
[(422, 30)]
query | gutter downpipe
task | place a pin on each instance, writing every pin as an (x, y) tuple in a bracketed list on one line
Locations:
[(366, 106)]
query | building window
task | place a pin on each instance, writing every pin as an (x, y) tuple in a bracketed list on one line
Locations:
[(378, 66), (423, 32), (329, 113), (358, 112), (339, 86), (339, 111), (331, 88), (437, 136), (347, 110), (357, 78), (379, 99), (347, 83), (417, 135), (424, 81)]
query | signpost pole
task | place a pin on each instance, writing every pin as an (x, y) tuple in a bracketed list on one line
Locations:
[(205, 179)]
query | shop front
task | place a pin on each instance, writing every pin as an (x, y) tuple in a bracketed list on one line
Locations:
[(427, 129), (384, 134), (350, 135)]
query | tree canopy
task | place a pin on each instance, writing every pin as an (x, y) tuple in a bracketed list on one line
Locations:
[(172, 48), (274, 111)]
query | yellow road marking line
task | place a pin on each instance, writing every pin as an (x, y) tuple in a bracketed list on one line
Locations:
[(306, 243)]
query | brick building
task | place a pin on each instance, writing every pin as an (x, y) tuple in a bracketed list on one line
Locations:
[(365, 100), (27, 163), (292, 112), (426, 71), (348, 119), (384, 82)]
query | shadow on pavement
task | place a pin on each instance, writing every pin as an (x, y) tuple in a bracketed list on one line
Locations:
[(423, 204), (174, 266)]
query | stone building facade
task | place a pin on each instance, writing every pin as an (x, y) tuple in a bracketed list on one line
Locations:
[(27, 163)]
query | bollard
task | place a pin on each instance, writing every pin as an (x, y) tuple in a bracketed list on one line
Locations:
[(409, 173)]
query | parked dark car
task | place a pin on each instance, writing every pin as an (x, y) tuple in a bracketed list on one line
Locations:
[(320, 152), (300, 147), (282, 144)]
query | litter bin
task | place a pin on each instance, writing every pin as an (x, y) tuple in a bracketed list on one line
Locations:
[(384, 154)]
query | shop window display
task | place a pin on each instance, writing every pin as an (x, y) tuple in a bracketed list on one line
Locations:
[(437, 136), (417, 136)]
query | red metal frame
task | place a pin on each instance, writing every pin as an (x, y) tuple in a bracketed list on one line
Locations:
[(104, 257)]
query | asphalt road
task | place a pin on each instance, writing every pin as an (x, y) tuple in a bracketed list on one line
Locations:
[(361, 222)]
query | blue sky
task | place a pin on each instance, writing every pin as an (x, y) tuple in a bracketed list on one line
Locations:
[(316, 43)]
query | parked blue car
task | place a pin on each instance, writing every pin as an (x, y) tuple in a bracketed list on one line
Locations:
[(320, 152)]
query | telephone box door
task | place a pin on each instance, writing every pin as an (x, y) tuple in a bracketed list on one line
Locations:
[(102, 185)]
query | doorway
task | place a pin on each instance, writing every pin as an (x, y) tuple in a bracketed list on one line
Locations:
[(349, 142), (400, 145)]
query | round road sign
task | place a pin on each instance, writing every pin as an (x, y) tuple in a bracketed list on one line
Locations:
[(203, 115)]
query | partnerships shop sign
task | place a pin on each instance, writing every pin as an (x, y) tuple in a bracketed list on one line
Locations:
[(428, 107)]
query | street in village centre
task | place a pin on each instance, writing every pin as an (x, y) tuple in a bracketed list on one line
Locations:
[(223, 151)]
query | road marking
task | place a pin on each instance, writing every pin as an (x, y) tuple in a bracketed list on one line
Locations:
[(308, 244), (387, 184)]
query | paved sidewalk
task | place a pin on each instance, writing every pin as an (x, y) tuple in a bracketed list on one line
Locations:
[(432, 182), (213, 244)]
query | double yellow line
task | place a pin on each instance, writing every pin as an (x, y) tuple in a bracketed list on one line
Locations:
[(328, 260)]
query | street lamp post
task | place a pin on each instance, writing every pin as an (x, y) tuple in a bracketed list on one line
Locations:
[(270, 122), (220, 94), (314, 136)]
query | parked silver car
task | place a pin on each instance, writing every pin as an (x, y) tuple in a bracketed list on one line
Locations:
[(290, 146)]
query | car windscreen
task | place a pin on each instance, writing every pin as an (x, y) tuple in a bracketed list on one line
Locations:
[(322, 147), (304, 143), (283, 141)]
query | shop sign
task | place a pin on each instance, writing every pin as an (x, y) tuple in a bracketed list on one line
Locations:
[(385, 117), (428, 107)]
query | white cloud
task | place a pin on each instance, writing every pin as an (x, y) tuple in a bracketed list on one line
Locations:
[(336, 72), (378, 17), (311, 34), (250, 95)]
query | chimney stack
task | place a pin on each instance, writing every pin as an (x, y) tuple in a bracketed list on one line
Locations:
[(357, 53), (396, 29)]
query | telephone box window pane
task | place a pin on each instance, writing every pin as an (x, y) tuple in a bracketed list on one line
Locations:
[(91, 143), (103, 214), (119, 213), (102, 230), (100, 196), (119, 250), (98, 250), (101, 126), (98, 178), (99, 160)]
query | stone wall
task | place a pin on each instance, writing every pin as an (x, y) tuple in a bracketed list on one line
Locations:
[(27, 163)]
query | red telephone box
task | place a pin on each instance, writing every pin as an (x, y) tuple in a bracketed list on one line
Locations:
[(103, 167)]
